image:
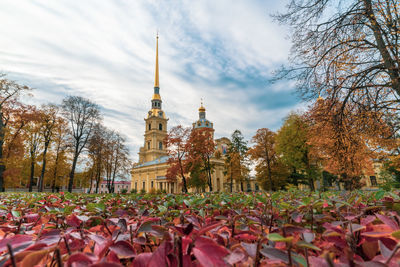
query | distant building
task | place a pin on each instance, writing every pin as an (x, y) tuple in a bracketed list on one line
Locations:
[(119, 186)]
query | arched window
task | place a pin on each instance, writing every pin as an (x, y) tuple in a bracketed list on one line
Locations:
[(148, 145), (160, 127), (149, 126), (160, 145)]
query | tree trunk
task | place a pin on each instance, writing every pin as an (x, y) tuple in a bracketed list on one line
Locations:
[(32, 171), (41, 181), (2, 163), (185, 190), (53, 187), (231, 179), (72, 173), (209, 174), (388, 61)]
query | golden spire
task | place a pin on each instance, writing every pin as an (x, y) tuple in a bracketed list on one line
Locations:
[(156, 82), (202, 109)]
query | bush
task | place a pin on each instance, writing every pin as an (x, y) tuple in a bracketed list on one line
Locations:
[(152, 191), (143, 191), (124, 191), (134, 191)]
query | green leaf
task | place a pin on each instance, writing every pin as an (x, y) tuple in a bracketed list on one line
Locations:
[(100, 206), (379, 195), (396, 234), (187, 203), (162, 209), (300, 260), (16, 213), (278, 238), (303, 244)]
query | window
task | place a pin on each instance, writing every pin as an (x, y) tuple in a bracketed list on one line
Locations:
[(149, 126), (160, 186), (256, 187), (135, 185), (152, 184), (144, 185), (160, 145), (373, 180), (160, 127), (148, 145)]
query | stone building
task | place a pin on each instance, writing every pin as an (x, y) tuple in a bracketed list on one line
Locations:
[(149, 173)]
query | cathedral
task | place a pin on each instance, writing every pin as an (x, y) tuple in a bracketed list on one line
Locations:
[(149, 173)]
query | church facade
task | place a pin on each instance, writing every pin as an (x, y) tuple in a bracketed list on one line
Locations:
[(148, 174)]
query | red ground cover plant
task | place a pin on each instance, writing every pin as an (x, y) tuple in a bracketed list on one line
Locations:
[(294, 228)]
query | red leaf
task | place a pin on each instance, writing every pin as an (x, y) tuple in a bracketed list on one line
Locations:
[(106, 264), (15, 241), (209, 227), (32, 217), (251, 249), (73, 221), (236, 256), (80, 259), (33, 258), (142, 260), (246, 237), (123, 249), (370, 249), (389, 222), (376, 234), (209, 253), (159, 257)]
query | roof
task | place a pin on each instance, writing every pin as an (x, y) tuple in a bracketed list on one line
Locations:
[(160, 160)]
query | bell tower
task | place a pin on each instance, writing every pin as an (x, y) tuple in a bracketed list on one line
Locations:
[(156, 124)]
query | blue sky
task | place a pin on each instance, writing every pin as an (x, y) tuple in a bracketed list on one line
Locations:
[(222, 51)]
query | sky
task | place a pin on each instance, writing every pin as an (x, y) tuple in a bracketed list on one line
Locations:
[(221, 51)]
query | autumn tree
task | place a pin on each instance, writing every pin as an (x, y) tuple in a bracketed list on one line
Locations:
[(60, 149), (96, 151), (232, 167), (9, 91), (347, 145), (236, 159), (82, 114), (48, 119), (16, 116), (198, 176), (201, 150), (294, 148), (269, 167), (177, 145), (346, 51), (33, 138)]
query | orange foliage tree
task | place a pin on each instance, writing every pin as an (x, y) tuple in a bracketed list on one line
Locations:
[(347, 139), (177, 145), (270, 170), (201, 148)]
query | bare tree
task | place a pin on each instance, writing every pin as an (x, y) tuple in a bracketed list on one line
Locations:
[(82, 115), (9, 90), (347, 51)]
